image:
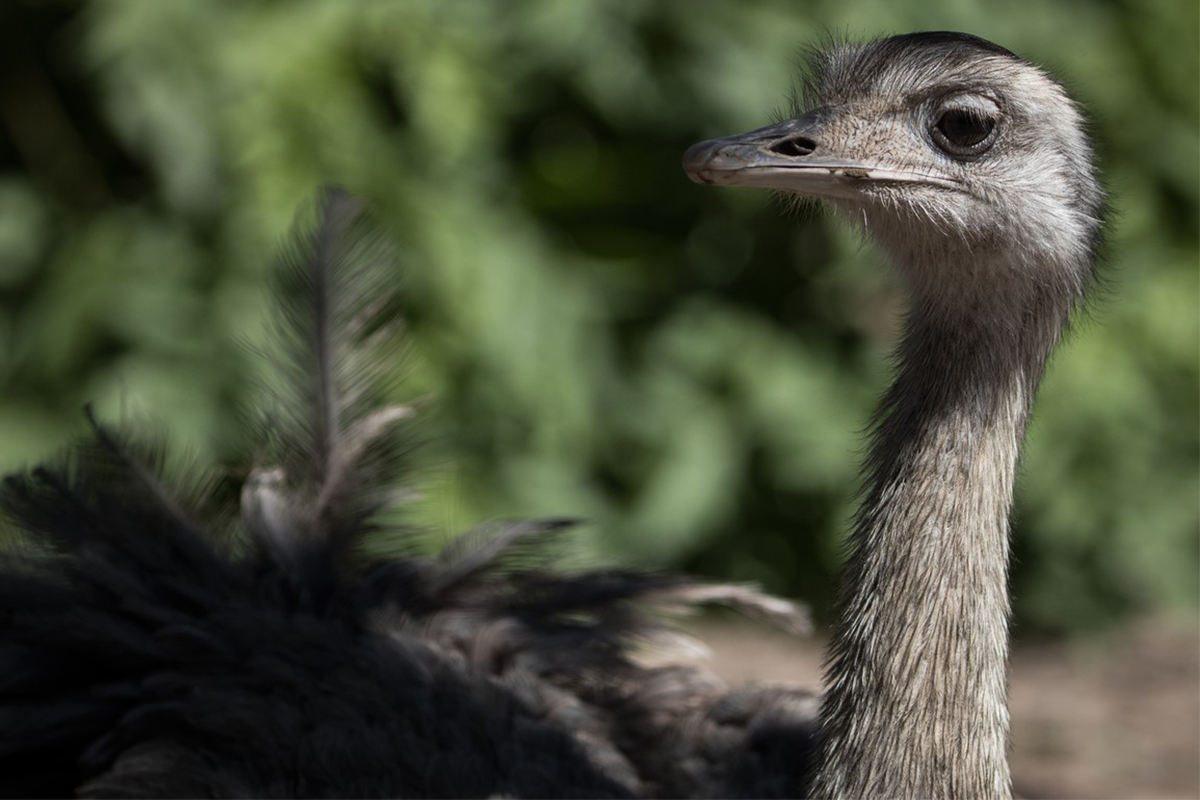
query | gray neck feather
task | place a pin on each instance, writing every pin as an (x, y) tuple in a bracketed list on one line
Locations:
[(916, 694)]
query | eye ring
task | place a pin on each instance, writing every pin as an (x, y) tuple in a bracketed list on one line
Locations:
[(964, 132)]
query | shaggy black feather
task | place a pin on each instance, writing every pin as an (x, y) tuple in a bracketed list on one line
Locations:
[(157, 640)]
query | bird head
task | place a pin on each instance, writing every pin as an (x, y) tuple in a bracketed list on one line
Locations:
[(964, 161)]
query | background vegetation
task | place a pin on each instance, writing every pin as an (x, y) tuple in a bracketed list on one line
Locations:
[(687, 367)]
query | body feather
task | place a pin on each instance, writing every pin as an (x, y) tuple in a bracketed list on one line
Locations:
[(162, 639)]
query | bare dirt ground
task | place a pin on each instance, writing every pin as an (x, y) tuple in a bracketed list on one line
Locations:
[(1110, 717)]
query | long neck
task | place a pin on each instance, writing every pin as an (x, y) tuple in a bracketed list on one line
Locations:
[(916, 684)]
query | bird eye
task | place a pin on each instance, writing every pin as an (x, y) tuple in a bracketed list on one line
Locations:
[(964, 132)]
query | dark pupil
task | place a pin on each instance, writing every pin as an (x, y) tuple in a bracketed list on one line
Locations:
[(964, 128)]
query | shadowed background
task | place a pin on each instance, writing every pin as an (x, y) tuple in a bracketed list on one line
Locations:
[(685, 367)]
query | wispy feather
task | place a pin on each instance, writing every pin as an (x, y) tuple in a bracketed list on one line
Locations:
[(333, 459)]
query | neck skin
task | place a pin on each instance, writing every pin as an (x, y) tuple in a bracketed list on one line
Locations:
[(916, 684)]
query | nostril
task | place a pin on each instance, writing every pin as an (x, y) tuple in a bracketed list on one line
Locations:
[(796, 146)]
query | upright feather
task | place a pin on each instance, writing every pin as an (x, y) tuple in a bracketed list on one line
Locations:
[(332, 461)]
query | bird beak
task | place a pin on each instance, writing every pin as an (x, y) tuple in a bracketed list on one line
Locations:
[(788, 156)]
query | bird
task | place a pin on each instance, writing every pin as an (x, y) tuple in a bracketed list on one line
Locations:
[(168, 630), (972, 170), (178, 633)]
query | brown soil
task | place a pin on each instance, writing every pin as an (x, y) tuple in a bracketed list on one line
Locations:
[(1117, 717)]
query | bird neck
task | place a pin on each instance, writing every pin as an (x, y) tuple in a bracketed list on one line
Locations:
[(916, 683)]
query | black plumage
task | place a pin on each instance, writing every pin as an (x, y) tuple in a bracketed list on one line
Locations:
[(185, 637)]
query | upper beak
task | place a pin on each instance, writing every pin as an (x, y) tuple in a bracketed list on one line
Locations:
[(792, 156)]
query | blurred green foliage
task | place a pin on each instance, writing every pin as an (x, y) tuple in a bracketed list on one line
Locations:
[(684, 366)]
